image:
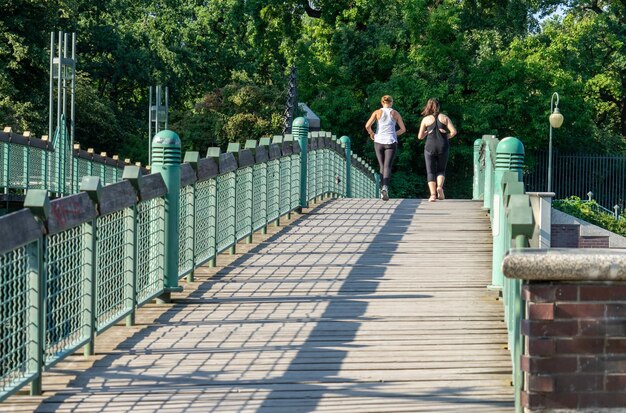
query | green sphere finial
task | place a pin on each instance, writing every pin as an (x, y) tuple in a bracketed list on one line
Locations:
[(166, 137), (301, 122), (510, 145)]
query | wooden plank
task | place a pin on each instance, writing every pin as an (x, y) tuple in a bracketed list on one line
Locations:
[(358, 306)]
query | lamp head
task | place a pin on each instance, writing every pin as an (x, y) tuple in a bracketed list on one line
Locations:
[(556, 119)]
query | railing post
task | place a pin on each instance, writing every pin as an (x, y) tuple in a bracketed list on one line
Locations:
[(6, 148), (479, 175), (541, 203), (346, 144), (166, 160), (193, 158), (509, 159), (377, 177), (39, 204), (300, 130), (521, 224), (232, 250), (26, 166), (488, 187), (215, 154), (133, 175), (92, 186)]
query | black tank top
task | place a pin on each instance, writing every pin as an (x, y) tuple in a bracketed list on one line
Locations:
[(436, 141)]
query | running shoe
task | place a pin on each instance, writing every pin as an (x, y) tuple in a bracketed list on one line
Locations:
[(383, 194)]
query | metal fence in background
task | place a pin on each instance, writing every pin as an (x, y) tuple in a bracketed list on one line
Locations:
[(578, 174)]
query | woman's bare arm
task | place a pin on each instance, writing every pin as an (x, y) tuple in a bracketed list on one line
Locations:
[(451, 128), (400, 123), (422, 132), (370, 122)]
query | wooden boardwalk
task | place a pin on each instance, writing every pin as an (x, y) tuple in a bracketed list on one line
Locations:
[(357, 306)]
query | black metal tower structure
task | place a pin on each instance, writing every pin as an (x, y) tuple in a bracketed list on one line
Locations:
[(292, 101)]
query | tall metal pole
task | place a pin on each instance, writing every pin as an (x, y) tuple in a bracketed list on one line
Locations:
[(550, 142), (292, 101), (150, 127), (72, 93), (167, 97), (64, 71), (550, 162), (51, 101), (60, 48), (158, 109)]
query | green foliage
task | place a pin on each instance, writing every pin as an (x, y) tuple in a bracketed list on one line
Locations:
[(492, 64), (591, 212), (234, 113)]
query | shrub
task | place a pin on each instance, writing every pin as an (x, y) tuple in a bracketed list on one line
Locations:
[(591, 212)]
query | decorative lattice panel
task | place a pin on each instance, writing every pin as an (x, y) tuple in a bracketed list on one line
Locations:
[(17, 160), (66, 288), (285, 185), (225, 232), (150, 228), (295, 181), (205, 220), (259, 196), (185, 231), (114, 250), (36, 169), (14, 306), (243, 214), (312, 174), (273, 194)]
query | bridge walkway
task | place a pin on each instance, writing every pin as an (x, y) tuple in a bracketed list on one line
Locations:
[(356, 306)]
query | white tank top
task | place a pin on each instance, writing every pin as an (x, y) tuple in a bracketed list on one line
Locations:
[(386, 128)]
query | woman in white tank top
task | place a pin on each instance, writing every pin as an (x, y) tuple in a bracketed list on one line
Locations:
[(385, 139)]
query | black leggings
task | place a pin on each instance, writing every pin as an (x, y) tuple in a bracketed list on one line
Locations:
[(385, 154), (435, 165)]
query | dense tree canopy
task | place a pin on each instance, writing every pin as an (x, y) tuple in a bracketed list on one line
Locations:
[(493, 64)]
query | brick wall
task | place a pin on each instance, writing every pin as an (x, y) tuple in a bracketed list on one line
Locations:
[(575, 346), (568, 236), (593, 242), (564, 236)]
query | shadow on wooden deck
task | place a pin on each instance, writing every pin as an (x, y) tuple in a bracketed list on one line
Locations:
[(298, 326)]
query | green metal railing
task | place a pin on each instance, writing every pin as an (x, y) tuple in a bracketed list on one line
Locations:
[(82, 263), (498, 182), (27, 162)]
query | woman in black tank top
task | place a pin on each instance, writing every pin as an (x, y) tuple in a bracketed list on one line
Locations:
[(437, 129)]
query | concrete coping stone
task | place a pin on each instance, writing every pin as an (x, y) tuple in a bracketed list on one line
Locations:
[(29, 230), (116, 197), (566, 264), (70, 211), (261, 154), (187, 175), (151, 186), (207, 169), (275, 152)]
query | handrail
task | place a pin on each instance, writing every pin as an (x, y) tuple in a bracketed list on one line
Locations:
[(596, 207), (498, 181), (82, 263)]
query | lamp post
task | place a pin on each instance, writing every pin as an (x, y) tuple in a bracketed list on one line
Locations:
[(556, 120)]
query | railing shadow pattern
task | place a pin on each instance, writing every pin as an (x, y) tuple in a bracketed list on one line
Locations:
[(82, 263), (273, 331)]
